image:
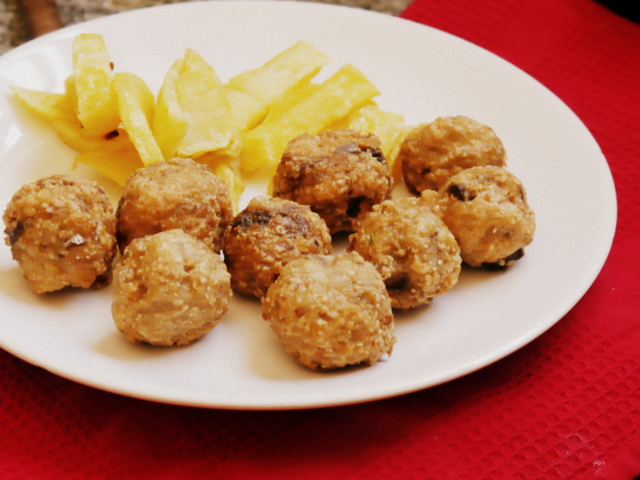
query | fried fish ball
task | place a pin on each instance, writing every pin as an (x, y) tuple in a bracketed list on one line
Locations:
[(412, 248), (340, 174), (487, 211), (331, 311), (178, 193), (61, 231), (433, 152), (265, 236), (169, 289)]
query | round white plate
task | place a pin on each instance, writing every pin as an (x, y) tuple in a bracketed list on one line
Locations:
[(422, 73)]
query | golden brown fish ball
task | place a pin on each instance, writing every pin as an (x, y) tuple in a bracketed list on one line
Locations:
[(61, 231), (487, 211), (331, 311), (178, 193), (433, 152), (340, 174), (412, 248), (169, 289), (265, 236)]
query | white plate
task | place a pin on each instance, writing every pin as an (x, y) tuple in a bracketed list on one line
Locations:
[(422, 73)]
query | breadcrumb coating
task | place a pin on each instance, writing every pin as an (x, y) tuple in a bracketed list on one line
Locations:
[(340, 174), (61, 231), (265, 236), (178, 193), (486, 209), (331, 311), (413, 250), (169, 289), (433, 152)]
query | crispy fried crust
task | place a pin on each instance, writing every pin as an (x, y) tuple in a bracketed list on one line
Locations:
[(265, 236), (340, 174), (412, 248), (487, 211), (330, 312), (169, 289), (178, 193), (432, 153), (61, 231)]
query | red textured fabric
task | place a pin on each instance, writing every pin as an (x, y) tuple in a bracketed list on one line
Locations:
[(566, 406)]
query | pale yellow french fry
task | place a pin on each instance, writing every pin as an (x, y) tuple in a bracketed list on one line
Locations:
[(343, 92), (71, 94), (253, 92), (118, 165), (236, 186), (57, 109), (92, 73), (72, 134), (169, 125), (224, 155), (293, 96), (204, 104), (371, 119), (396, 166), (135, 107), (49, 106)]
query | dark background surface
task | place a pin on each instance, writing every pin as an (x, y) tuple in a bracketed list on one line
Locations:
[(627, 8)]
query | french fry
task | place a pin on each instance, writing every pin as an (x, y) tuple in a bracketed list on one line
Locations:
[(116, 125), (293, 96), (204, 104), (135, 108), (253, 92), (92, 73), (57, 109), (72, 134), (236, 186), (224, 155), (343, 92), (116, 164), (71, 94), (169, 125), (396, 166), (49, 106)]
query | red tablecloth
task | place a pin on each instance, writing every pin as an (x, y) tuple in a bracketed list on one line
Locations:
[(565, 406)]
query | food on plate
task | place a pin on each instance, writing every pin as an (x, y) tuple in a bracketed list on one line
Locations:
[(183, 158), (59, 110), (117, 164), (49, 106), (178, 193), (205, 107), (169, 289), (345, 91), (252, 93), (97, 103), (487, 211), (244, 99), (340, 174), (116, 124), (414, 251), (331, 311), (169, 125), (104, 116), (61, 231), (389, 127), (265, 236), (433, 152), (135, 108), (235, 183)]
